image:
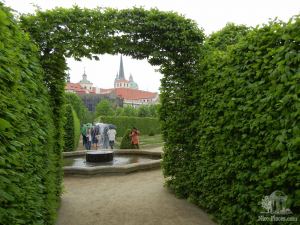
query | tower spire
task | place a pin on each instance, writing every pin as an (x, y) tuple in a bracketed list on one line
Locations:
[(130, 77), (84, 76), (68, 76), (121, 70)]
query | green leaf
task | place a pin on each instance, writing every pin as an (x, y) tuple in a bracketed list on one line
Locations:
[(4, 124)]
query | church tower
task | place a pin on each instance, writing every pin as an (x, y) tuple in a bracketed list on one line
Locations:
[(121, 70), (85, 83), (68, 77), (120, 80)]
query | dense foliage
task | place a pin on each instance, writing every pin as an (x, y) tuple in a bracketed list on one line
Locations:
[(144, 124), (126, 140), (104, 108), (107, 108), (79, 107), (141, 111), (240, 139), (72, 129), (29, 168)]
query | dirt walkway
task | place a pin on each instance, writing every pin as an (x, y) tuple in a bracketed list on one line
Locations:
[(132, 199)]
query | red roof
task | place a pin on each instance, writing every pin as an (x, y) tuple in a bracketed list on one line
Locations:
[(133, 94), (106, 91), (125, 93), (78, 89)]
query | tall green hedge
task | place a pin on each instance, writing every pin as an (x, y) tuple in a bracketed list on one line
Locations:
[(78, 106), (144, 124), (72, 129), (29, 182), (244, 125)]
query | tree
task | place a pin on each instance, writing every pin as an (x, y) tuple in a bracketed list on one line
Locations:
[(144, 111), (129, 111), (228, 35), (90, 117), (104, 108), (153, 110), (119, 111), (78, 106)]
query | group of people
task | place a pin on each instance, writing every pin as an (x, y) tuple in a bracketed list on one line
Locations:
[(99, 135), (104, 135)]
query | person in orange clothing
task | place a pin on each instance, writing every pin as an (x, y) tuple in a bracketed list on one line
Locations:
[(135, 138)]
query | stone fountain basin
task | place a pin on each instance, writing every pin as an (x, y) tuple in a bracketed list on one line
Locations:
[(99, 156), (114, 169)]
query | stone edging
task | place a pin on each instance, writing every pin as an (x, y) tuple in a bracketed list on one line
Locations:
[(71, 170)]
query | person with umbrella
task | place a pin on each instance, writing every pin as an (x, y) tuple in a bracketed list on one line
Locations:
[(83, 133), (111, 135)]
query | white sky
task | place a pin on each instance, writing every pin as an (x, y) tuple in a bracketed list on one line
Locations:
[(211, 15)]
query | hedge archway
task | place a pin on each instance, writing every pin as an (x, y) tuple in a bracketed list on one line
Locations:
[(163, 38)]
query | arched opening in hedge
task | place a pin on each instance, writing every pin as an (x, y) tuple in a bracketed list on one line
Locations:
[(165, 39)]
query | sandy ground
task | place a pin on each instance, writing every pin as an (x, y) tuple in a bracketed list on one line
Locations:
[(133, 199)]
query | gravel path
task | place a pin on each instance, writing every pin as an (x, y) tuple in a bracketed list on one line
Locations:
[(133, 199)]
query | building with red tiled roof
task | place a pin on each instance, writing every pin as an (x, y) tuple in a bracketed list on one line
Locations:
[(127, 90), (77, 88), (133, 97), (83, 87)]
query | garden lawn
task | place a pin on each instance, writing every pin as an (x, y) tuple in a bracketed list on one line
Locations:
[(146, 141)]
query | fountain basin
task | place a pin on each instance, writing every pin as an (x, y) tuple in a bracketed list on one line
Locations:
[(99, 156), (124, 161)]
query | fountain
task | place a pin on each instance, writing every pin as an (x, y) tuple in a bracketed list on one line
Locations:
[(99, 156), (110, 162)]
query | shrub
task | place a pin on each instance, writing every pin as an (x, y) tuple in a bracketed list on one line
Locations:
[(145, 124), (29, 182), (72, 129), (126, 140)]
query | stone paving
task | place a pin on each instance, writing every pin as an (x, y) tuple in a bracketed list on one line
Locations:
[(138, 198)]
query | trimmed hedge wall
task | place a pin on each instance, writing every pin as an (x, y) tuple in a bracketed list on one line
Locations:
[(143, 124), (29, 181), (72, 129), (77, 104), (243, 125)]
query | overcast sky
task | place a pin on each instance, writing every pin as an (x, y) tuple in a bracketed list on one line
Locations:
[(211, 15)]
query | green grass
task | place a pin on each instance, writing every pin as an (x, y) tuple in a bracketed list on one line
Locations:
[(146, 141)]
